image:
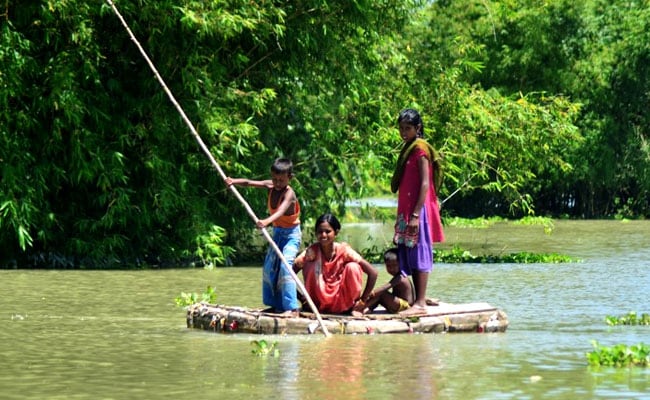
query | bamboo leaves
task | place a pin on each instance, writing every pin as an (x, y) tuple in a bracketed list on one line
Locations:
[(18, 216), (103, 164)]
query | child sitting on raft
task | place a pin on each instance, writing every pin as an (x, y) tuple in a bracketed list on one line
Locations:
[(396, 295)]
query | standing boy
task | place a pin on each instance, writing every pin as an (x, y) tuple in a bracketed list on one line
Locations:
[(278, 285)]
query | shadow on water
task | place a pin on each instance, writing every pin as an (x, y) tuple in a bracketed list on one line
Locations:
[(118, 334)]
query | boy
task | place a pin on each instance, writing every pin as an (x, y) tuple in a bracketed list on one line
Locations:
[(401, 296), (278, 285)]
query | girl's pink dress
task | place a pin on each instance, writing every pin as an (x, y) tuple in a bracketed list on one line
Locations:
[(333, 285), (415, 249), (409, 189)]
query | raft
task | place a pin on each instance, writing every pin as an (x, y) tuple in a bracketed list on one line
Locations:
[(442, 318)]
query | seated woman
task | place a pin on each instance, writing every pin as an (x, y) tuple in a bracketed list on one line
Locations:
[(333, 271)]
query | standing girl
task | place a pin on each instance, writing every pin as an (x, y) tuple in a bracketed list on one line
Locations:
[(418, 223)]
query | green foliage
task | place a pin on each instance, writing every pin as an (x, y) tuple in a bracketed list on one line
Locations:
[(619, 355), (534, 220), (264, 348), (187, 299), (527, 258), (370, 213), (374, 253), (622, 355), (492, 140), (534, 106), (594, 52), (481, 222), (546, 222), (9, 211), (459, 255), (455, 255), (98, 163), (630, 319), (211, 249)]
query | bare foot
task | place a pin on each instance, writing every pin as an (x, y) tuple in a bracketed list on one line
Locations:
[(413, 311), (291, 313), (358, 312), (433, 302)]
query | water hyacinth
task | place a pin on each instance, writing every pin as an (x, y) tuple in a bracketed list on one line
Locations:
[(630, 319), (619, 355)]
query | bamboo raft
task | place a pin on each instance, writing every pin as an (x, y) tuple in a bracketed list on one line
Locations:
[(445, 317)]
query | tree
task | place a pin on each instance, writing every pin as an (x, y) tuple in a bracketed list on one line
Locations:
[(96, 162), (495, 143), (592, 53)]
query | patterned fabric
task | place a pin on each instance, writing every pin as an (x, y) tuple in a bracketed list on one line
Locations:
[(334, 285), (285, 221), (418, 258), (278, 284)]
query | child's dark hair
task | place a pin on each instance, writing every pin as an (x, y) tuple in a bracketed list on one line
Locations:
[(282, 166), (412, 117), (390, 254), (330, 219)]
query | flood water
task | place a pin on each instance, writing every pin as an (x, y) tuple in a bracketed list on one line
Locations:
[(119, 335)]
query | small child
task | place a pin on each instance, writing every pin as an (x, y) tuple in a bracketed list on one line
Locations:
[(396, 295), (278, 285)]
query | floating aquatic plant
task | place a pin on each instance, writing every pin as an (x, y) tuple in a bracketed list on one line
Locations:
[(619, 355), (630, 319), (187, 299), (459, 255), (264, 349)]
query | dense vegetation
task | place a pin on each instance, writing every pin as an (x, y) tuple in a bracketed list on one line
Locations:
[(630, 318), (621, 355), (537, 107)]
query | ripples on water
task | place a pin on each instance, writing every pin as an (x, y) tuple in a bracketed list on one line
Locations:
[(98, 334)]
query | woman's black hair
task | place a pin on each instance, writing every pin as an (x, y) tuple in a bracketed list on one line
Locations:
[(330, 219), (412, 117)]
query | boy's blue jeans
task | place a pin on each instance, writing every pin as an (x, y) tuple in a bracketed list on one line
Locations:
[(278, 285)]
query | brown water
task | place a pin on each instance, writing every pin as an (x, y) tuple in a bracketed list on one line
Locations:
[(119, 335)]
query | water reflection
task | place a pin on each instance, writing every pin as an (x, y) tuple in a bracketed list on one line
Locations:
[(118, 334), (365, 367), (333, 366)]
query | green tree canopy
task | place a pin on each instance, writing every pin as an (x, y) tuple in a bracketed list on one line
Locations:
[(536, 107)]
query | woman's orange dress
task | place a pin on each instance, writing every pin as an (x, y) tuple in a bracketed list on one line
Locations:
[(334, 285)]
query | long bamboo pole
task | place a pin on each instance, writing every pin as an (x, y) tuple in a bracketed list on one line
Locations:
[(216, 165)]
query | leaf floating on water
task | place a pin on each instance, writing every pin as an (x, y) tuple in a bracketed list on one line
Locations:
[(263, 348)]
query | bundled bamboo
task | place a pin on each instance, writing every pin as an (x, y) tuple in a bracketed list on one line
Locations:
[(445, 317)]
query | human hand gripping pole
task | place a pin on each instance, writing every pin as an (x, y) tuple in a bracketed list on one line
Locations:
[(216, 165)]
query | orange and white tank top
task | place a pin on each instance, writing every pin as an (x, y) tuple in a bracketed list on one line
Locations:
[(284, 221)]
